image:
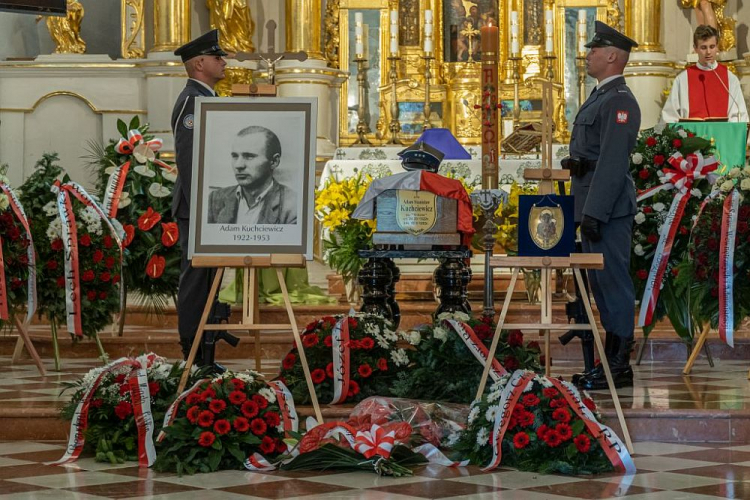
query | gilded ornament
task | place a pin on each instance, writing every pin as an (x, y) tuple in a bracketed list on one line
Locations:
[(614, 15), (711, 13), (132, 27), (332, 37), (66, 31), (236, 26)]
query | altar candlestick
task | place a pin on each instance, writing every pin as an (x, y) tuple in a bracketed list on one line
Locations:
[(515, 48), (549, 29), (581, 32)]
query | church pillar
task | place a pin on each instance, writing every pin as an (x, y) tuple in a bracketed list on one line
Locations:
[(171, 24), (649, 71), (303, 27)]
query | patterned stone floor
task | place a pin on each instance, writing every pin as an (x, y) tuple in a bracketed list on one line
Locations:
[(666, 471)]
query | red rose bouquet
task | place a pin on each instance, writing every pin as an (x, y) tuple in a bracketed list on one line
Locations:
[(670, 186), (535, 423), (224, 423), (350, 358), (446, 358)]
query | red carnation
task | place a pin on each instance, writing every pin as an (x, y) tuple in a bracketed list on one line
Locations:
[(237, 397), (690, 134), (97, 403), (515, 339), (658, 160), (328, 341), (383, 365), (367, 343), (222, 427), (520, 440), (353, 389), (51, 265), (643, 174), (124, 389), (250, 408), (564, 431), (267, 445), (91, 295), (561, 415), (650, 142), (148, 219), (288, 362), (123, 410), (364, 370), (169, 233), (310, 340), (129, 234), (115, 279), (57, 245), (530, 400), (329, 370), (153, 388), (108, 241), (511, 363), (205, 418), (676, 143), (85, 240), (352, 323), (105, 277), (641, 274), (217, 405), (98, 255), (272, 418), (318, 375), (652, 239), (258, 426), (109, 262), (192, 414), (102, 295), (206, 439), (647, 210), (583, 443), (549, 392), (241, 424), (88, 275), (155, 266)]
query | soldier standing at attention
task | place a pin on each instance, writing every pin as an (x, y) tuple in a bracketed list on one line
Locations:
[(204, 63), (604, 134)]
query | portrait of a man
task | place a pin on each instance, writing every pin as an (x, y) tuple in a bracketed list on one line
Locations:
[(257, 198)]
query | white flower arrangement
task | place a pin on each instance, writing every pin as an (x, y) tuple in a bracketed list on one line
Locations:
[(399, 357), (640, 218), (659, 206), (637, 158)]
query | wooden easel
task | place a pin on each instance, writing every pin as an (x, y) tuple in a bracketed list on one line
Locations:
[(250, 311), (547, 265), (25, 340), (699, 344)]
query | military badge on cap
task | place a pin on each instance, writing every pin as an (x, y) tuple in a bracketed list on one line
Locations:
[(607, 36)]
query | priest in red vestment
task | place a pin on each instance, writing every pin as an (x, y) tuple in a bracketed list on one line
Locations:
[(707, 89)]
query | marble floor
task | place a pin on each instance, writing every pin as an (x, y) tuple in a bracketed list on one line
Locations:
[(666, 471)]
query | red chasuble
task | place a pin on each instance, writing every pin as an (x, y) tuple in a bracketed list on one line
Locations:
[(708, 97)]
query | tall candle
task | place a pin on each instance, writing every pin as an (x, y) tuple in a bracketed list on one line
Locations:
[(394, 47), (514, 17), (549, 29), (582, 16), (428, 16), (428, 45), (359, 49), (515, 49), (489, 36), (548, 15), (358, 18), (428, 30), (394, 17)]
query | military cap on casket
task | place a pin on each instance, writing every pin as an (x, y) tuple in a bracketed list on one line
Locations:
[(421, 156), (606, 36), (205, 45)]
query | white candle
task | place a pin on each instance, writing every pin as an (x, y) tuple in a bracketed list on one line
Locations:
[(394, 46), (428, 16), (358, 31), (581, 15), (394, 17), (514, 48), (358, 18), (359, 49), (428, 45), (581, 46), (548, 15), (428, 29), (514, 29), (514, 17), (548, 45)]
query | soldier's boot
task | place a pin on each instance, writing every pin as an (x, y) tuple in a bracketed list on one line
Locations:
[(587, 347), (597, 369), (619, 364)]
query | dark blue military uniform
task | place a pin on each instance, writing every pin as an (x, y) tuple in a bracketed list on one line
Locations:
[(195, 283)]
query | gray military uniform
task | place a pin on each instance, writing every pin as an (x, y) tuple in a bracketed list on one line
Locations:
[(605, 131), (195, 283)]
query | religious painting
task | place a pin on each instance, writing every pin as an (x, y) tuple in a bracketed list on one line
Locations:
[(411, 116), (570, 49), (533, 22), (371, 23), (253, 176), (462, 20)]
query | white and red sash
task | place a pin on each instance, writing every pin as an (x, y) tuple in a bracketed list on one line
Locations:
[(477, 347)]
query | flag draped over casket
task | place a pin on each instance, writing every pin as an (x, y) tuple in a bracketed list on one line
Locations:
[(421, 180)]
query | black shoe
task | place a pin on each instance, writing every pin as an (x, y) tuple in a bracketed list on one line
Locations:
[(597, 370), (598, 381)]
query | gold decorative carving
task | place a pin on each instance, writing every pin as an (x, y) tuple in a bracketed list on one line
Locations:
[(409, 23), (236, 26), (132, 45), (66, 31), (232, 76), (332, 37), (171, 24), (711, 13), (614, 15)]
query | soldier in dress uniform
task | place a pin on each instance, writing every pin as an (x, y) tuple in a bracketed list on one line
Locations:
[(604, 134), (204, 63)]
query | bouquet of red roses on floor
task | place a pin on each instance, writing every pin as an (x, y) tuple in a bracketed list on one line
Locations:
[(350, 359), (447, 355), (224, 423), (541, 424)]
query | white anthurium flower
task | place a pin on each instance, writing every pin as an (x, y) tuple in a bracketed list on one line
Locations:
[(110, 170), (640, 218), (659, 207), (637, 158), (124, 200), (169, 174), (158, 191), (144, 170), (638, 250), (682, 133), (142, 153)]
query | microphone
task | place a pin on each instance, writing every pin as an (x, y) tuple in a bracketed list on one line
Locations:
[(727, 89)]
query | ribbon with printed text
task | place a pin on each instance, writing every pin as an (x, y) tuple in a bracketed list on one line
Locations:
[(18, 211)]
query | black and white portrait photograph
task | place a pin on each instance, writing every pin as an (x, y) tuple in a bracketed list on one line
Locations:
[(253, 188)]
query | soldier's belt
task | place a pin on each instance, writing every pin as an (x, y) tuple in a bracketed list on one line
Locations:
[(578, 166)]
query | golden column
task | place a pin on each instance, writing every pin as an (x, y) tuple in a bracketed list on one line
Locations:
[(643, 24), (171, 24), (304, 27)]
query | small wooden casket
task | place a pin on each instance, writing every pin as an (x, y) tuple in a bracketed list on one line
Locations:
[(415, 219)]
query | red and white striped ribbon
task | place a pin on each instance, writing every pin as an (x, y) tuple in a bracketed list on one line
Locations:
[(730, 214), (140, 397), (477, 347), (341, 360), (171, 413), (286, 405), (376, 441), (15, 205), (113, 192)]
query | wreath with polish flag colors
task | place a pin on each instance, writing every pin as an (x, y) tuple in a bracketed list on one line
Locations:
[(136, 188)]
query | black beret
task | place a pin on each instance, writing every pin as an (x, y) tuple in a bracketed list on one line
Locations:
[(205, 45), (606, 36)]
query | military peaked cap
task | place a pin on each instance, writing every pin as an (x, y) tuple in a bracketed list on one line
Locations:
[(421, 156), (205, 45), (606, 36)]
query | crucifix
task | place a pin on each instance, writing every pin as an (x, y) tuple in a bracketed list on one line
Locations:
[(470, 32), (271, 57)]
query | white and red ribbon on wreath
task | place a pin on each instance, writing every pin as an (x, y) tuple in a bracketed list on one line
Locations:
[(730, 214), (70, 244), (17, 209), (140, 398), (680, 175), (171, 413), (613, 447), (341, 360), (477, 347), (143, 151)]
